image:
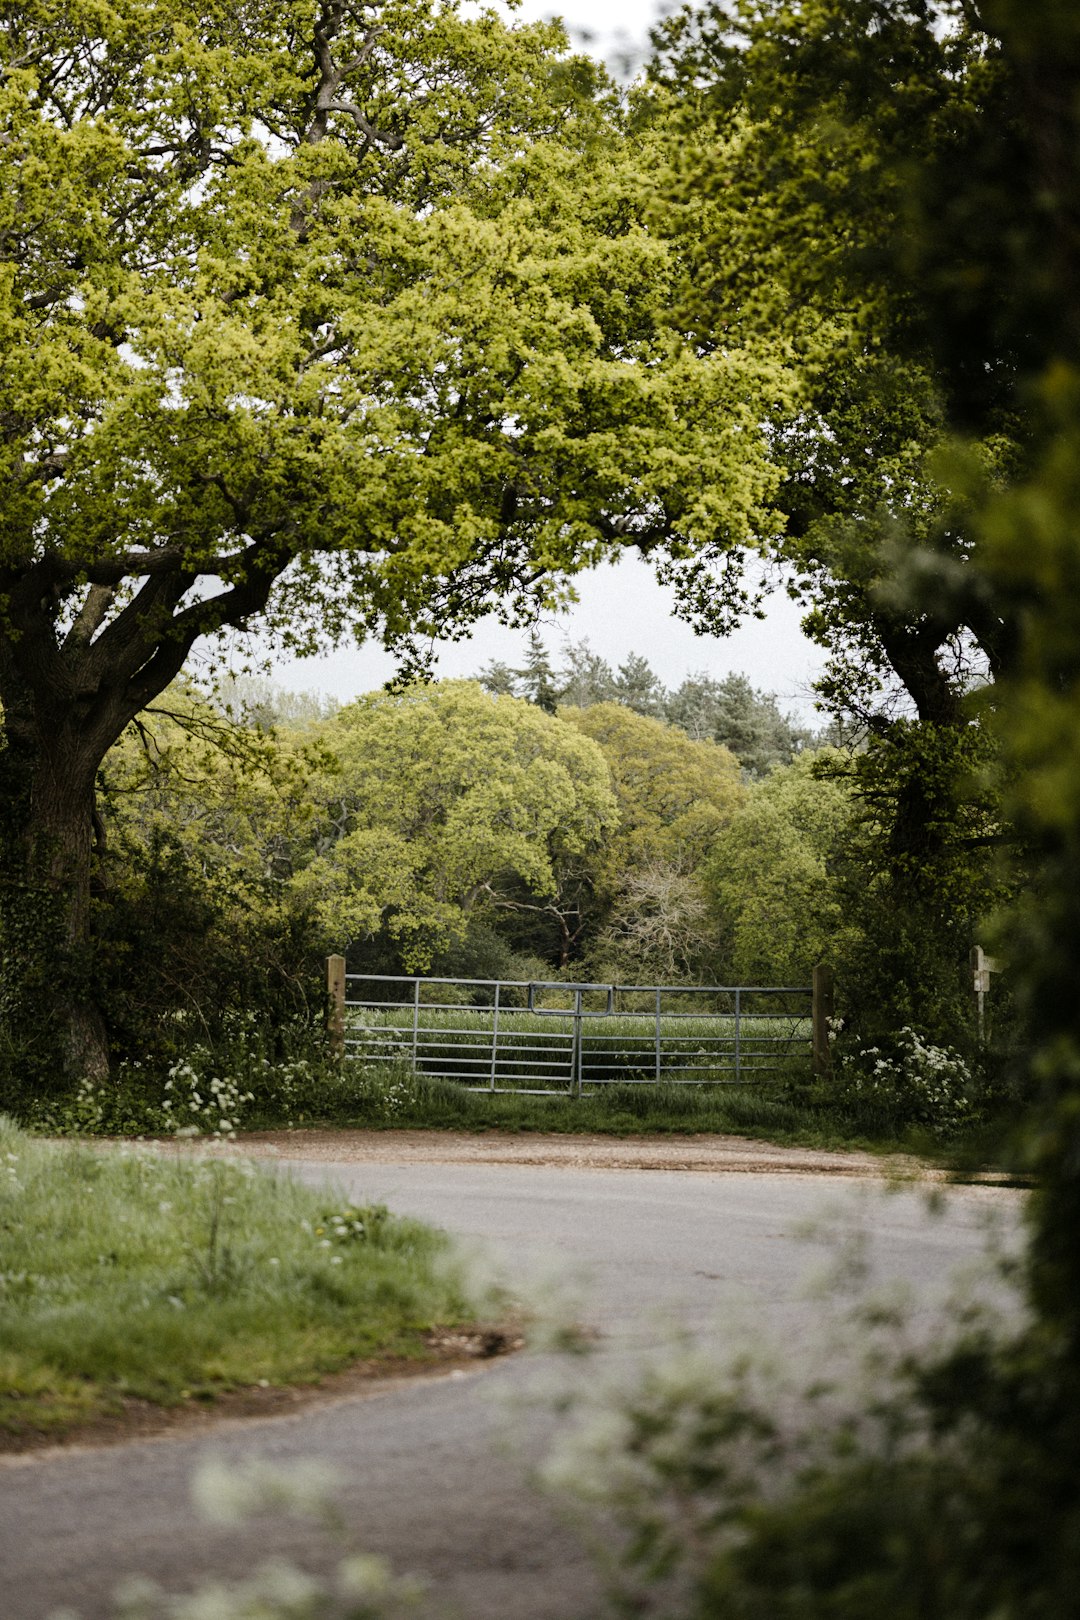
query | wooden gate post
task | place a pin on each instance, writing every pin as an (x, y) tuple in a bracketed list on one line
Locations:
[(822, 1014), (335, 1004)]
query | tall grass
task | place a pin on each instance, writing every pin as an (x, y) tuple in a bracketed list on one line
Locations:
[(130, 1274), (791, 1109), (517, 1047)]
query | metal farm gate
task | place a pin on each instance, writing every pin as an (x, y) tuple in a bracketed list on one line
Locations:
[(553, 1038)]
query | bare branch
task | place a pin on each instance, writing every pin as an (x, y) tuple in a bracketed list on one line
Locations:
[(377, 137), (332, 76), (148, 565)]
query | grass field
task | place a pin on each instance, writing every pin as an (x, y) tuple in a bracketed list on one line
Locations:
[(127, 1274), (529, 1049)]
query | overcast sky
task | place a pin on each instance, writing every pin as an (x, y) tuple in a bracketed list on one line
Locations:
[(617, 30), (622, 610)]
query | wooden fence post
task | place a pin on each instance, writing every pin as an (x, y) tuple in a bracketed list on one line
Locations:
[(822, 1015), (335, 1004)]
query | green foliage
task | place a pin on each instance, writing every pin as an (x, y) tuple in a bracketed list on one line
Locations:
[(950, 1486), (737, 1491), (772, 876), (728, 711), (483, 952), (442, 794), (196, 817), (784, 188), (920, 879), (914, 1083), (338, 326), (673, 794), (503, 252), (1032, 547), (238, 857), (786, 1107), (732, 713), (812, 186), (536, 681), (272, 1076), (920, 188)]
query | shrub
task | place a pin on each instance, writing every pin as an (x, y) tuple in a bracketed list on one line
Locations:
[(916, 1083)]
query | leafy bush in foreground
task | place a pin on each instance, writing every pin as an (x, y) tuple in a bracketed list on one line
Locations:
[(943, 1484)]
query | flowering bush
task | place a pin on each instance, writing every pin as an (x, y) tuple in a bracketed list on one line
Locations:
[(918, 1084), (195, 1104), (285, 1073), (215, 1085), (128, 1105), (387, 1095)]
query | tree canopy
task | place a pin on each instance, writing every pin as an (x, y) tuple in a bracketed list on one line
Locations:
[(955, 1490), (332, 309), (811, 184), (910, 173), (442, 795), (813, 190), (674, 794), (327, 317), (776, 908)]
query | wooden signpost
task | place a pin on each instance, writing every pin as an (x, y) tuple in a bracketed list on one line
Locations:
[(982, 966)]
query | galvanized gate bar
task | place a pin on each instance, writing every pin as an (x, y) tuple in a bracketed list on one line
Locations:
[(659, 993), (415, 1023), (738, 1054), (498, 1034), (495, 1036)]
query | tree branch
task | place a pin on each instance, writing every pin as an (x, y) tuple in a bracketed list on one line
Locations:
[(91, 616), (375, 136), (332, 76)]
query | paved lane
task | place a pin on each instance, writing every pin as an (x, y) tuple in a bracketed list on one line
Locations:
[(436, 1471)]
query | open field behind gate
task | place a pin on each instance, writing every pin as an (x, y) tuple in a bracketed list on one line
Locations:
[(569, 1038)]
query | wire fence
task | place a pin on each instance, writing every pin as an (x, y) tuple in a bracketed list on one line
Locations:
[(553, 1038)]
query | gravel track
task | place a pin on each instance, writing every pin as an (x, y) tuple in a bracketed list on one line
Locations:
[(736, 1154)]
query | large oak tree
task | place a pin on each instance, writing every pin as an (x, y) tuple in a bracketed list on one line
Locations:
[(324, 316)]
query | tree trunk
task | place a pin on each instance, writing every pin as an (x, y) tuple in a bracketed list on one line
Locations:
[(48, 793), (64, 813), (78, 662)]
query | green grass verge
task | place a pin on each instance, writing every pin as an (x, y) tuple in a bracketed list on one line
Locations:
[(247, 1085), (790, 1110), (127, 1274)]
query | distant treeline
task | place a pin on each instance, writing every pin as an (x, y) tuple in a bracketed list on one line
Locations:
[(728, 711)]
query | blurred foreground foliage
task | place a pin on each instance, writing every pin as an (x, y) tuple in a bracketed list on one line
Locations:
[(948, 139)]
